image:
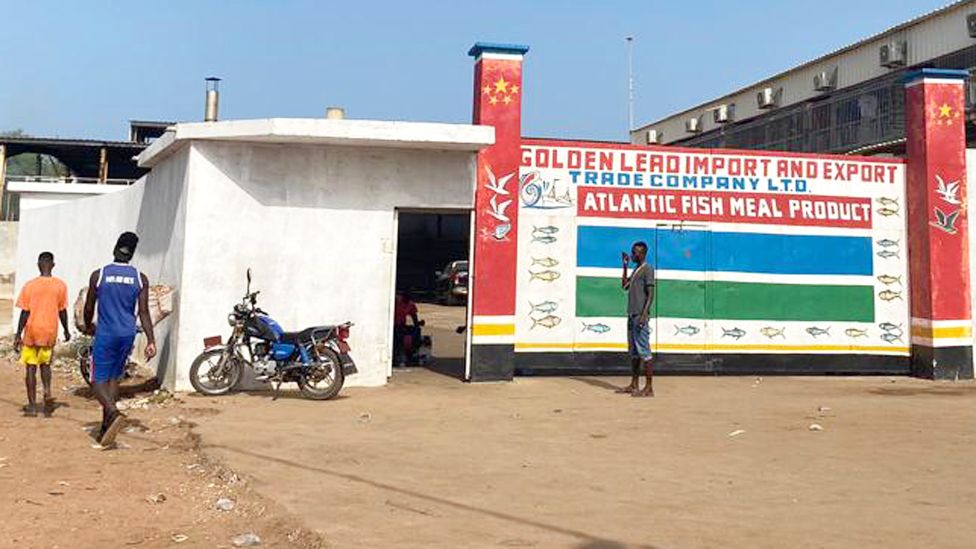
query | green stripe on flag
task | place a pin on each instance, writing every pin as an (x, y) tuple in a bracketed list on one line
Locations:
[(597, 296)]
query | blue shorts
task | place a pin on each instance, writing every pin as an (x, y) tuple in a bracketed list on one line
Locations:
[(638, 338), (109, 357)]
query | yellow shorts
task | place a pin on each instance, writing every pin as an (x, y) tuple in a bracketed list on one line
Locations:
[(35, 356)]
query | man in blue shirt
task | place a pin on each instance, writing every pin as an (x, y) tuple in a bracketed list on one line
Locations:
[(119, 290)]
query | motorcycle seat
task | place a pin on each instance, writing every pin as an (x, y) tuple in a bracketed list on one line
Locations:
[(305, 335)]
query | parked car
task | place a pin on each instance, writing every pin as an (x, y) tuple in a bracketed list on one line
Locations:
[(451, 284)]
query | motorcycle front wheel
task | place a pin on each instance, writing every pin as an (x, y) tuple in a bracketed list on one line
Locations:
[(215, 372), (323, 379)]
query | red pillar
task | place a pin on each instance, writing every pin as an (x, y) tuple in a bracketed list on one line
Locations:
[(498, 103), (938, 225)]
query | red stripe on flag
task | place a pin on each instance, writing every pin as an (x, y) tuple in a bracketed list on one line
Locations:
[(765, 209)]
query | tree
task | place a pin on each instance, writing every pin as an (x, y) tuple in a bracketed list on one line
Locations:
[(33, 163)]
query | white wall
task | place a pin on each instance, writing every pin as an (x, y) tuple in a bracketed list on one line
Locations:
[(81, 233), (316, 225)]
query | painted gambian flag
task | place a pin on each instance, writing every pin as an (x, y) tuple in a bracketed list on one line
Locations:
[(705, 274)]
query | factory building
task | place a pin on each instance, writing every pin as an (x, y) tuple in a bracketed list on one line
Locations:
[(849, 101)]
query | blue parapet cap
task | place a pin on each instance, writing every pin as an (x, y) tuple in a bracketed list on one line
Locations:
[(491, 47), (912, 76)]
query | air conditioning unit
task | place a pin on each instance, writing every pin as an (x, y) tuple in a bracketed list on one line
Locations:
[(693, 125), (825, 80), (723, 114), (766, 98), (971, 24), (894, 54), (654, 137)]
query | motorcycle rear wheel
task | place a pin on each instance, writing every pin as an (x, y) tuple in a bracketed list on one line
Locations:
[(207, 381), (323, 380)]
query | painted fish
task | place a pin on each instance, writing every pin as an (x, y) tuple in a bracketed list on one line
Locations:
[(888, 280), (891, 338), (734, 333), (548, 321), (598, 328), (543, 239), (545, 276), (889, 295), (817, 332), (771, 332), (688, 330), (889, 327), (547, 262), (502, 230), (887, 243), (855, 332), (548, 229), (885, 201), (546, 307), (887, 212), (887, 254)]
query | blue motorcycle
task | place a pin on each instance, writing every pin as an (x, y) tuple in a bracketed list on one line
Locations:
[(316, 358)]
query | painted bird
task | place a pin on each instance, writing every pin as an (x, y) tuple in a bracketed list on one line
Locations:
[(948, 191), (498, 187), (498, 210)]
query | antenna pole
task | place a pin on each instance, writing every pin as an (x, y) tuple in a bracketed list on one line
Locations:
[(630, 83)]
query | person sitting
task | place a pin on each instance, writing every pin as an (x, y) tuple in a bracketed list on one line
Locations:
[(406, 338)]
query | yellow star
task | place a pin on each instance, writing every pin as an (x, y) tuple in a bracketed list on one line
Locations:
[(486, 89), (945, 110), (501, 85), (492, 100), (508, 99), (514, 90)]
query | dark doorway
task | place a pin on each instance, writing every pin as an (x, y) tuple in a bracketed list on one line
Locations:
[(432, 267)]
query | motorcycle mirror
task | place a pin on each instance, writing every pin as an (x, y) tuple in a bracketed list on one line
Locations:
[(248, 275)]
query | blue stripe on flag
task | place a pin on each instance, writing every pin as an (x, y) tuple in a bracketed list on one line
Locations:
[(692, 250)]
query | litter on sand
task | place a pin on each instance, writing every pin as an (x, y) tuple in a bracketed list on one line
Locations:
[(816, 427), (737, 432), (246, 540)]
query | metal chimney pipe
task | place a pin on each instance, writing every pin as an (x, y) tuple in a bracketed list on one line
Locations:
[(213, 99), (335, 113)]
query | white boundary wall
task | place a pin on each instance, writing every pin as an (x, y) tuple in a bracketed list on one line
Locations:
[(314, 222)]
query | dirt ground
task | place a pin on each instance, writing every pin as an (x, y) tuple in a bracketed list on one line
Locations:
[(564, 462), (155, 490), (428, 461)]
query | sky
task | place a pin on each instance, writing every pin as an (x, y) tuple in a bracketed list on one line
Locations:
[(82, 69)]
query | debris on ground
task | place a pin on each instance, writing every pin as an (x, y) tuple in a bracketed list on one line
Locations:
[(225, 504), (823, 409), (737, 432), (179, 538), (246, 540), (816, 427), (365, 417), (156, 498)]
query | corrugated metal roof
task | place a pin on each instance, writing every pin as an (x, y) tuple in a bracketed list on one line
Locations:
[(890, 30)]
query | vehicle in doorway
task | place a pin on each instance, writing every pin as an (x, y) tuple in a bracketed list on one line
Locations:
[(316, 358), (451, 284)]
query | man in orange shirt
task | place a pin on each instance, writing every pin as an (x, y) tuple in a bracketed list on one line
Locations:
[(42, 302)]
